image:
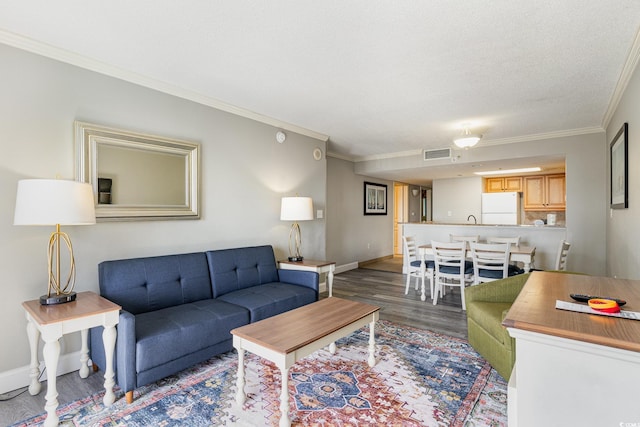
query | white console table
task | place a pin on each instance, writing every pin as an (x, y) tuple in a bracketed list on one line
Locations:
[(312, 265), (573, 369)]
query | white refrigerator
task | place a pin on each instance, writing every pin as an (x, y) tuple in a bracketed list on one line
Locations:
[(501, 208)]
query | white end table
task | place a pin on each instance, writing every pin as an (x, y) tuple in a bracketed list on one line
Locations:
[(52, 322), (312, 265)]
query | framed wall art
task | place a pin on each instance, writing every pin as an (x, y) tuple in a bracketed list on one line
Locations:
[(619, 166), (375, 199)]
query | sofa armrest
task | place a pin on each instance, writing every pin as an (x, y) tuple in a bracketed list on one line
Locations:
[(309, 279), (503, 290), (126, 351)]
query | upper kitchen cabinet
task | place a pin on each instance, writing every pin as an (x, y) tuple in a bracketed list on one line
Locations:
[(545, 193), (507, 183)]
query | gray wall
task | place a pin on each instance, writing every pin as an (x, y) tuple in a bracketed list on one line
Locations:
[(245, 172), (623, 227), (457, 198), (353, 237)]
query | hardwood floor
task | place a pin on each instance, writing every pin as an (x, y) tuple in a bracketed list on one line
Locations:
[(372, 285), (386, 290)]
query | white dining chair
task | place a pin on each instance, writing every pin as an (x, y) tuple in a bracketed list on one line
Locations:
[(515, 241), (451, 268), (490, 261), (460, 238), (561, 258), (414, 267)]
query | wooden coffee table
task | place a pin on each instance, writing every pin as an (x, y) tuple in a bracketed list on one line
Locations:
[(288, 337)]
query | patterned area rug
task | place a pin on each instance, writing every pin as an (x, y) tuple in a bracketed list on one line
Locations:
[(420, 379)]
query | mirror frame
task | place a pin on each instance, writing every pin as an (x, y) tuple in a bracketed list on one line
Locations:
[(87, 139)]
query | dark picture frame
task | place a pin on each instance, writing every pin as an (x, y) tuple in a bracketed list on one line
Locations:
[(619, 167), (375, 199)]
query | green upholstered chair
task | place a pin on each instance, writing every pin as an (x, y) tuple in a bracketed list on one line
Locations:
[(487, 306)]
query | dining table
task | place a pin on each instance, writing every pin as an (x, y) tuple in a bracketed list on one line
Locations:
[(519, 253)]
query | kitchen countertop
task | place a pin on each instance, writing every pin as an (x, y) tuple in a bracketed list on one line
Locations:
[(456, 224)]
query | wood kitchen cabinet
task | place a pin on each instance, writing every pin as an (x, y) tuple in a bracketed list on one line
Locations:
[(507, 183), (545, 193)]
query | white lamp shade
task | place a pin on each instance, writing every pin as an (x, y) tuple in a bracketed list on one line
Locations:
[(296, 209), (54, 201)]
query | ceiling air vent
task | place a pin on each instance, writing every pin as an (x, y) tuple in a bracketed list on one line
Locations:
[(440, 153)]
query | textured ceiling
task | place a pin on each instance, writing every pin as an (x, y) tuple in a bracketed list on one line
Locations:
[(377, 77)]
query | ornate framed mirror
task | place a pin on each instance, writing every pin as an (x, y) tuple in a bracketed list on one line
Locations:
[(138, 176)]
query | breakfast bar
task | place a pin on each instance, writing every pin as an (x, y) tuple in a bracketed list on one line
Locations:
[(544, 239)]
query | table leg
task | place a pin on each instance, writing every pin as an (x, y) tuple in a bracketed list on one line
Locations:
[(34, 368), (84, 354), (330, 280), (423, 268), (372, 344), (240, 396), (284, 399), (51, 354), (109, 341), (527, 267)]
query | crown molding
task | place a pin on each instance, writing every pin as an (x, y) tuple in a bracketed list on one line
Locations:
[(66, 56), (544, 135), (625, 76), (483, 143)]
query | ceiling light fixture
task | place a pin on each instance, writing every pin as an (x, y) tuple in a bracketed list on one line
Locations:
[(467, 139), (507, 171)]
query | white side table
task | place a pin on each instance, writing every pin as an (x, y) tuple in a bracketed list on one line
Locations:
[(312, 265), (52, 322)]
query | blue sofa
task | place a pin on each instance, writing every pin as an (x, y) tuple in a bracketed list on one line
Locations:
[(178, 310)]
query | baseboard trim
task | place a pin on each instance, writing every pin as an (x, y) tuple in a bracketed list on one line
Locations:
[(371, 261), (346, 267), (17, 378)]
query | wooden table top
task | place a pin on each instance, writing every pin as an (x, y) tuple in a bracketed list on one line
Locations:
[(521, 249), (294, 329), (534, 309), (308, 262), (85, 304)]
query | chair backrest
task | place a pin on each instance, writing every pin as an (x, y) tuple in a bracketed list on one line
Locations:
[(515, 241), (450, 255), (490, 261), (410, 248), (561, 259), (465, 239), (458, 238)]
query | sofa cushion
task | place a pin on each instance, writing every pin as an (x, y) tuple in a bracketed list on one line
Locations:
[(141, 285), (270, 299), (168, 334), (240, 268), (489, 316)]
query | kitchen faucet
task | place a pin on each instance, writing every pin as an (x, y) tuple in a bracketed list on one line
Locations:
[(475, 221)]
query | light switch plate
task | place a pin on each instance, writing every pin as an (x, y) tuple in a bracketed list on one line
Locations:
[(319, 214)]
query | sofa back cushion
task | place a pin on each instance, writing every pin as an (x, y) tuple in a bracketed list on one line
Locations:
[(141, 285), (239, 268)]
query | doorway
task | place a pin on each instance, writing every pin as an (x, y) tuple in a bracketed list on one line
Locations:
[(400, 214)]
